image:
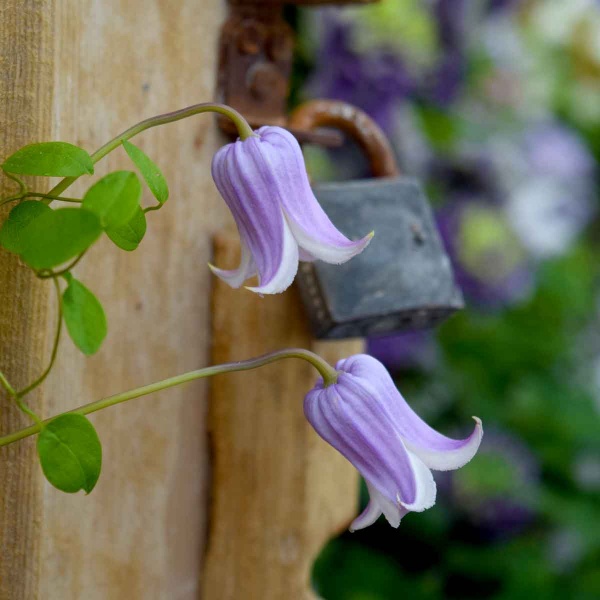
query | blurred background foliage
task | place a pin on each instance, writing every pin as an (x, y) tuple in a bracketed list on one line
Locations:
[(495, 106)]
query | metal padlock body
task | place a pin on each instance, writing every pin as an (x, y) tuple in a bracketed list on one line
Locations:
[(403, 280)]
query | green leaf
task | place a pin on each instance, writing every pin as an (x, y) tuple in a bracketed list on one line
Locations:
[(51, 159), (11, 234), (150, 172), (70, 453), (129, 236), (114, 198), (56, 236), (84, 317)]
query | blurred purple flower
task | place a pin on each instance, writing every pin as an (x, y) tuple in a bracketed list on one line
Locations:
[(450, 16), (413, 349), (498, 493), (499, 5), (489, 265), (264, 182), (365, 418), (554, 150), (551, 192), (448, 76), (374, 81)]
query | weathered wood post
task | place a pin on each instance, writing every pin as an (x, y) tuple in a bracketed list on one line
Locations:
[(81, 71)]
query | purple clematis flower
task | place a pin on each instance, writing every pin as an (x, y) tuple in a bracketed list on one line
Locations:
[(366, 419), (264, 182)]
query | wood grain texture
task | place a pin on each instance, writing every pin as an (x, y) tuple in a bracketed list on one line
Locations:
[(26, 93), (82, 71), (278, 491)]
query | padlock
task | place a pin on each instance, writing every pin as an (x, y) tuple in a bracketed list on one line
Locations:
[(403, 280)]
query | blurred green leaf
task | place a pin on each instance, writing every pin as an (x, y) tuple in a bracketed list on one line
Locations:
[(56, 236), (114, 198), (70, 453), (84, 317), (129, 236), (18, 219), (150, 172), (50, 159)]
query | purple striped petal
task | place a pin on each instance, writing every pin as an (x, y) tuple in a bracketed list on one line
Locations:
[(264, 182), (437, 451), (285, 170), (351, 417), (364, 417), (257, 215)]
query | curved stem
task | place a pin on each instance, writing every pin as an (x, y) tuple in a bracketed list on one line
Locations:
[(6, 385), (242, 125), (51, 197), (328, 373), (43, 376), (24, 195), (49, 274), (24, 408), (18, 181)]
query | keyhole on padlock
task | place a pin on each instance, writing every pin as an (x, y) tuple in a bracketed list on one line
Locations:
[(418, 234)]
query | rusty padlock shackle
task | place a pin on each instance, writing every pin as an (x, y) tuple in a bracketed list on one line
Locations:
[(354, 122)]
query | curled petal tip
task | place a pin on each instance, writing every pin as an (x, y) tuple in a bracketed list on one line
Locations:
[(371, 235)]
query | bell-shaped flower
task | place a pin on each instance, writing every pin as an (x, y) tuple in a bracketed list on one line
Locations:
[(264, 182), (366, 419)]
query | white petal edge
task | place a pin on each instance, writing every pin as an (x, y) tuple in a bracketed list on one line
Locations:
[(426, 488), (328, 253), (448, 460), (236, 277), (288, 268), (377, 506)]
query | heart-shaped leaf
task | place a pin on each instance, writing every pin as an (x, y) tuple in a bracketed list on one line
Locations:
[(11, 234), (56, 236), (114, 198), (150, 172), (84, 317), (70, 453), (50, 159), (129, 236)]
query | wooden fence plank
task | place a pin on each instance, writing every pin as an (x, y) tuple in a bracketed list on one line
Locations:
[(278, 491), (82, 71), (26, 97)]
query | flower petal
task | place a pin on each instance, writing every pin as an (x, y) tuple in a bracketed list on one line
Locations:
[(254, 207), (437, 451), (426, 488), (236, 277), (350, 416), (377, 506), (312, 228), (284, 276)]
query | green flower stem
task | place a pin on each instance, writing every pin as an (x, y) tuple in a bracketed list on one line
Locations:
[(25, 194), (18, 181), (328, 373), (46, 372), (242, 125), (49, 274), (6, 385), (24, 408), (50, 197)]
